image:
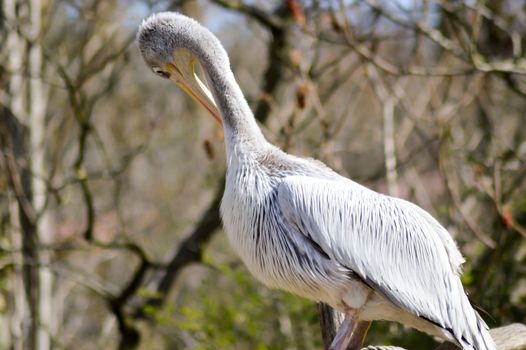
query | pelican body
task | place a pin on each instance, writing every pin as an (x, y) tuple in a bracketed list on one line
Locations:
[(299, 226)]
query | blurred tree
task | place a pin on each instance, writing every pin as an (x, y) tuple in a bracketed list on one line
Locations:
[(107, 226)]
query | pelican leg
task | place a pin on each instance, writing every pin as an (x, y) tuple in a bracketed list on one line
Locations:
[(345, 332), (358, 336)]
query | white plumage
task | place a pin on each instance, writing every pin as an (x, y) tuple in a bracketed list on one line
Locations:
[(300, 227)]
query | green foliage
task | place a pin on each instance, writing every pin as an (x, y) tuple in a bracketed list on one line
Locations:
[(230, 310), (390, 333)]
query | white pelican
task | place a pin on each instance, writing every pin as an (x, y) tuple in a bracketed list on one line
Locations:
[(300, 227)]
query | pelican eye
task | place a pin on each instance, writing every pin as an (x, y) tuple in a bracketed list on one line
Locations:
[(160, 72)]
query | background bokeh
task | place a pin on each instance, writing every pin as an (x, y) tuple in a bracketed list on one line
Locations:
[(110, 178)]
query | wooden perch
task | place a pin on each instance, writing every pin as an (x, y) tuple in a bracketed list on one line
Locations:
[(510, 337)]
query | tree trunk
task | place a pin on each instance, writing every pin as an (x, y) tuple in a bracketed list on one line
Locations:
[(37, 112), (25, 280), (24, 335), (27, 101), (330, 321), (12, 142)]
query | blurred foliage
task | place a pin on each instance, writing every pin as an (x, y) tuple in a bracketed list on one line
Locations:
[(245, 316), (133, 168), (231, 310)]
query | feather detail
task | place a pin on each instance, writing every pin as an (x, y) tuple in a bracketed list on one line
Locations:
[(393, 245)]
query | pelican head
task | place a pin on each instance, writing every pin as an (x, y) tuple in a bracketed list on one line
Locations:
[(173, 46)]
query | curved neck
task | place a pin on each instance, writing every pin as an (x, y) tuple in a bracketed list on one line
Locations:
[(238, 120)]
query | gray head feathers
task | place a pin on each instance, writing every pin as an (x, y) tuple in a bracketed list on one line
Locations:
[(160, 34), (163, 33)]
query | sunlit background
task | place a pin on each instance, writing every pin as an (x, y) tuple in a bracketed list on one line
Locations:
[(110, 177)]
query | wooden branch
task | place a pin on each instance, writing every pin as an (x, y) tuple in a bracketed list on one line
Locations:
[(510, 337), (431, 33), (250, 11), (330, 320), (190, 251)]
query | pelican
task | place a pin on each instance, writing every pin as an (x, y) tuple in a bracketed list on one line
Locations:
[(299, 226)]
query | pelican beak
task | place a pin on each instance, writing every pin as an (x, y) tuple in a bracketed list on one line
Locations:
[(188, 80)]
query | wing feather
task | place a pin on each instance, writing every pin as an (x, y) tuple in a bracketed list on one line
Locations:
[(395, 246)]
